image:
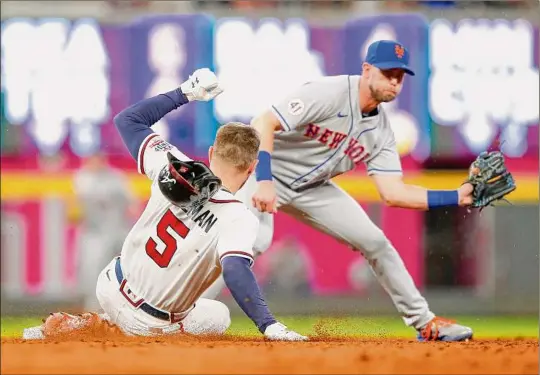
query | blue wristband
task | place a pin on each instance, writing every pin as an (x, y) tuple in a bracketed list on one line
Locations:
[(264, 167), (442, 198)]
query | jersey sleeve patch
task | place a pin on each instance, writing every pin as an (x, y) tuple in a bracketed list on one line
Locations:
[(311, 103), (153, 155), (296, 107), (144, 145)]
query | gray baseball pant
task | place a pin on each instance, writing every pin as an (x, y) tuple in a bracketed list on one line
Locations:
[(329, 209)]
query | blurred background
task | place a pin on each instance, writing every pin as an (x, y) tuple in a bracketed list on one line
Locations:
[(70, 190)]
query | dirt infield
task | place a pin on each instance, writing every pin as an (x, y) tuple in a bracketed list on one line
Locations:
[(243, 356)]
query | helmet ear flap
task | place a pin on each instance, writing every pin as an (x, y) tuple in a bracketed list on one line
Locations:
[(210, 186), (206, 182)]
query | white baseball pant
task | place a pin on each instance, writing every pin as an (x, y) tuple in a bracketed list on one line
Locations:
[(208, 317)]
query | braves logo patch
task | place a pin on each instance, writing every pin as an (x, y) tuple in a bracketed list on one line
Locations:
[(296, 107)]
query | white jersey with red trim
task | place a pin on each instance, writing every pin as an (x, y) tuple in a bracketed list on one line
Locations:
[(169, 258)]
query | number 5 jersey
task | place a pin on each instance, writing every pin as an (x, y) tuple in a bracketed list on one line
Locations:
[(169, 258)]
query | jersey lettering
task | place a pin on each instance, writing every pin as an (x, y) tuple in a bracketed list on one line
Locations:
[(169, 220), (325, 136), (312, 130), (338, 138), (203, 220), (355, 151)]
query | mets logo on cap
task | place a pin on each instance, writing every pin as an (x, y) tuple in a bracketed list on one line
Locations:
[(400, 51)]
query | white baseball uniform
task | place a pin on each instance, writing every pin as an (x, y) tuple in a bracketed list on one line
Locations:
[(169, 258), (324, 135)]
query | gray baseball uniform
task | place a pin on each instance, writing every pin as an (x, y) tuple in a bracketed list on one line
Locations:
[(104, 196), (324, 135)]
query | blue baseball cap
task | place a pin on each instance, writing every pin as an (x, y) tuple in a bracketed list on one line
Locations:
[(388, 54)]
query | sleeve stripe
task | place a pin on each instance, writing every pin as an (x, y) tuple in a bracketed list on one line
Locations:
[(282, 119), (140, 163), (237, 254), (384, 170)]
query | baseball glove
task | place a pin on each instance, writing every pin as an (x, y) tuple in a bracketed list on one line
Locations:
[(490, 179)]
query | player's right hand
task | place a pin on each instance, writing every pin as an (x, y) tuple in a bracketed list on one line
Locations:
[(279, 332), (202, 85), (265, 198)]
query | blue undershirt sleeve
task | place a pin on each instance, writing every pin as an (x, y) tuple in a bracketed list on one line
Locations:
[(134, 122), (243, 286)]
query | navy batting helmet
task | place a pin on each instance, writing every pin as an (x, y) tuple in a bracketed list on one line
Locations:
[(187, 184)]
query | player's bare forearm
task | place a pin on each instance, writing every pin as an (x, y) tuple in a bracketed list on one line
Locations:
[(414, 197), (266, 124), (396, 193), (265, 198), (405, 196)]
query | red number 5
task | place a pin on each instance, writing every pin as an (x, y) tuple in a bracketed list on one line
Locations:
[(167, 221)]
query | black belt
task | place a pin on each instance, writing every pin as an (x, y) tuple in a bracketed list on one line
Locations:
[(163, 315)]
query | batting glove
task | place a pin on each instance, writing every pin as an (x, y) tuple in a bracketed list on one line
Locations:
[(279, 332), (202, 85)]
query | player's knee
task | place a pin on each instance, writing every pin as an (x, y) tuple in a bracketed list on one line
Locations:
[(221, 319), (377, 242), (217, 317), (224, 319)]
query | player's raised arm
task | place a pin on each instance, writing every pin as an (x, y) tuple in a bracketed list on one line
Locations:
[(134, 122), (385, 169), (236, 254), (311, 102)]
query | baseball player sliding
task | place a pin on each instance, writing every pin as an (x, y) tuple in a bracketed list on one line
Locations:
[(192, 230), (327, 127)]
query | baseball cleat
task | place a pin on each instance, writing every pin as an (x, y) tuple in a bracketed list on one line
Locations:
[(440, 329)]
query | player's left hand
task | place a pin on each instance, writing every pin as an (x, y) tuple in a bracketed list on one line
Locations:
[(490, 179), (202, 85)]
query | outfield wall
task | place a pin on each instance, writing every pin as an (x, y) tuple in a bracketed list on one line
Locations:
[(493, 254)]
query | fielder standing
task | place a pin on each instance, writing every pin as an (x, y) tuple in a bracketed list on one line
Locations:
[(323, 129)]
